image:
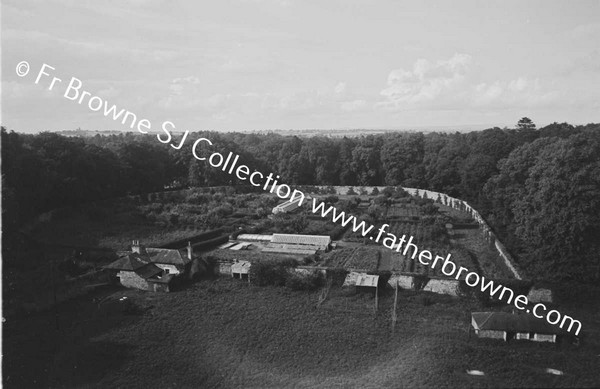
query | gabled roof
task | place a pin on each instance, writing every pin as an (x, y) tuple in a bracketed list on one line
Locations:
[(148, 270), (133, 262), (242, 267), (361, 279), (128, 262), (167, 256), (503, 321)]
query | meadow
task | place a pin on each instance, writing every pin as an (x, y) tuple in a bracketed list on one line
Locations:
[(224, 333)]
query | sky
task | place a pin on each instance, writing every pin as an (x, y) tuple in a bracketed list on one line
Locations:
[(292, 64)]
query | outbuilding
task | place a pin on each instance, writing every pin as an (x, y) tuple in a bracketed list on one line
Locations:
[(241, 270), (503, 325)]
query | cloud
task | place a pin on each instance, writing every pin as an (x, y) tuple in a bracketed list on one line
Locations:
[(518, 92), (449, 85), (426, 82)]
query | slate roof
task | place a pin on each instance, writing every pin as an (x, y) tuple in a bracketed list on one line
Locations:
[(503, 321), (128, 262), (167, 257), (148, 270), (134, 262)]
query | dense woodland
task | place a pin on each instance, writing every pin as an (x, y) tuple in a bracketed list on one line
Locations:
[(538, 188)]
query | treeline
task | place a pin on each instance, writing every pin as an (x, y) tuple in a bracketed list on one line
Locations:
[(539, 188)]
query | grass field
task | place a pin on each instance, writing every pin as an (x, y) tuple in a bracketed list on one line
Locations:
[(228, 334)]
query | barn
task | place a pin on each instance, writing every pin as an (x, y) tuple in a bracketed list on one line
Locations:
[(503, 325)]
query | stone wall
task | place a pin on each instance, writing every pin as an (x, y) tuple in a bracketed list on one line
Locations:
[(463, 206), (131, 280), (224, 267)]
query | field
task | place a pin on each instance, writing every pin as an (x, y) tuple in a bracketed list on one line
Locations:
[(228, 334)]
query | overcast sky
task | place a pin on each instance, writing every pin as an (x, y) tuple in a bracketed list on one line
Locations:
[(292, 64)]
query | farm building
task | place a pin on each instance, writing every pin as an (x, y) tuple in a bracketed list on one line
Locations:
[(298, 244), (320, 241), (241, 270), (133, 272), (361, 280), (150, 268), (503, 325), (170, 260), (254, 237), (224, 267)]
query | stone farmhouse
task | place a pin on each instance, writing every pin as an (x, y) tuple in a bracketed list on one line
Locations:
[(149, 268)]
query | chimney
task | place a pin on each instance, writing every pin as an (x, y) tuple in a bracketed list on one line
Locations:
[(189, 250), (135, 246)]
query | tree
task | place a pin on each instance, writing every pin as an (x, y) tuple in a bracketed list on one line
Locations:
[(525, 124)]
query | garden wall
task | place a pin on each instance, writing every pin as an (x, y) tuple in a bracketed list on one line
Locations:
[(463, 206)]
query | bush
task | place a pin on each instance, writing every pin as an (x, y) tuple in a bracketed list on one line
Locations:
[(271, 272), (337, 275), (303, 281), (473, 293)]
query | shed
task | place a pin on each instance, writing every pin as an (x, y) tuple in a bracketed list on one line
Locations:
[(503, 325), (241, 270), (364, 281), (540, 295)]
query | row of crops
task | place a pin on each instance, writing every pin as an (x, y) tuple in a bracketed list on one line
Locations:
[(421, 233), (407, 264), (403, 211)]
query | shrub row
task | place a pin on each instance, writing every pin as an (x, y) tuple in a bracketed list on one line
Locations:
[(281, 273)]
